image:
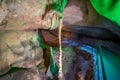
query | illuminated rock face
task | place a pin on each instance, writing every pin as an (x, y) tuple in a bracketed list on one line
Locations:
[(21, 14), (25, 14), (18, 50)]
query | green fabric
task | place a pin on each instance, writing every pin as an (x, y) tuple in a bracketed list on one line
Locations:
[(58, 6), (111, 65), (102, 61), (41, 43), (108, 8), (53, 66)]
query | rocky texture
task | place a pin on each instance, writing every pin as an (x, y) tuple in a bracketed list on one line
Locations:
[(81, 67), (21, 14), (75, 12), (25, 14), (30, 74), (74, 62), (80, 12), (18, 50)]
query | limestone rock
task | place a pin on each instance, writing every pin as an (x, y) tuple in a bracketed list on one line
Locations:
[(17, 49)]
